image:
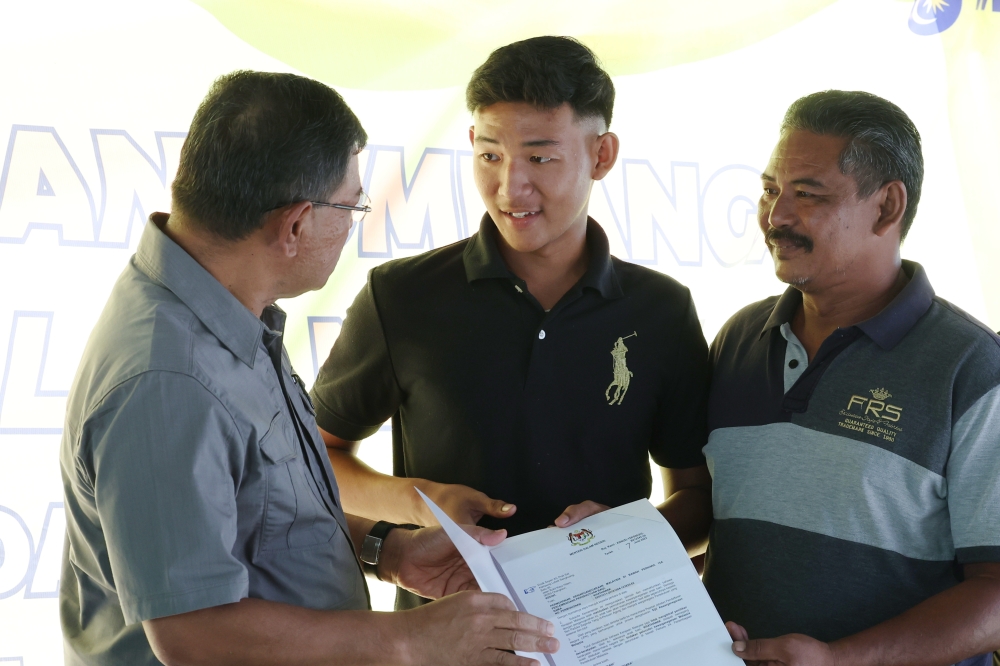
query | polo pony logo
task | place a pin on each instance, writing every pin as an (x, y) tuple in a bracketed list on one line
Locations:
[(580, 537), (622, 375)]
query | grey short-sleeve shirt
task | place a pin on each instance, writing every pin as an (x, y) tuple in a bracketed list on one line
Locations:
[(191, 480)]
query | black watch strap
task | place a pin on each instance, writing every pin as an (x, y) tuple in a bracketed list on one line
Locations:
[(371, 547)]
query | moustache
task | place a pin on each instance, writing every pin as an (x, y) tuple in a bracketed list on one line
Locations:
[(782, 234)]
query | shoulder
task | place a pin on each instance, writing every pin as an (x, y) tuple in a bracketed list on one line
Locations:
[(438, 264), (746, 323), (636, 280), (962, 329), (963, 348), (143, 327)]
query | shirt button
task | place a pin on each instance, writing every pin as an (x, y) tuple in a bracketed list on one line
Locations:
[(794, 363), (541, 335)]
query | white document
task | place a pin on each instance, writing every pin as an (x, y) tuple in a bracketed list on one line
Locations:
[(618, 586)]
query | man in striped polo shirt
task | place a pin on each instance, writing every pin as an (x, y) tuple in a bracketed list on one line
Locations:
[(854, 420)]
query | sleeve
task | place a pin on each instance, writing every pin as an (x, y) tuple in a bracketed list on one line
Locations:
[(681, 427), (166, 461), (356, 390), (973, 476)]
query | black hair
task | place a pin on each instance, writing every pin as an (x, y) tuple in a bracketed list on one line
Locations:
[(547, 72), (260, 140), (883, 144)]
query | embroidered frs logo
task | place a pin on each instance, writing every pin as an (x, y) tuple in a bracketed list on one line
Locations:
[(581, 537), (876, 406), (873, 416), (622, 375)]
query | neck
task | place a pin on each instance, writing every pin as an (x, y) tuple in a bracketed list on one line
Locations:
[(552, 270), (846, 304), (237, 265)]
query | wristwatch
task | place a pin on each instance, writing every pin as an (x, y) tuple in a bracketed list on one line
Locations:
[(371, 547)]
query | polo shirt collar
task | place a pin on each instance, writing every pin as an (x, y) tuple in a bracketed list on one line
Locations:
[(886, 328), (483, 260), (169, 264)]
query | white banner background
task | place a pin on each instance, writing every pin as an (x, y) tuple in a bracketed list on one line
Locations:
[(97, 96)]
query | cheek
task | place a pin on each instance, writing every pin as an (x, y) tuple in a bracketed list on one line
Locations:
[(763, 214), (484, 178)]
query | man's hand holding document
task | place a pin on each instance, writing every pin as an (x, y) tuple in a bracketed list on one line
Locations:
[(618, 586)]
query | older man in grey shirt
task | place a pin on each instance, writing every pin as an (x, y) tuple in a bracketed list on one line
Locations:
[(203, 518)]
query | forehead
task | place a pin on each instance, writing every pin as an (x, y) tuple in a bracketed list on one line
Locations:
[(352, 177), (799, 153), (505, 121)]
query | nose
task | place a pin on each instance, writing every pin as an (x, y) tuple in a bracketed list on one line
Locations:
[(777, 211), (514, 181)]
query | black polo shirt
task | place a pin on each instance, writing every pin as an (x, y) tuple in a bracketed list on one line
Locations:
[(487, 389)]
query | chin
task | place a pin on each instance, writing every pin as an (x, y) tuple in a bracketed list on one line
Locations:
[(520, 241), (790, 277)]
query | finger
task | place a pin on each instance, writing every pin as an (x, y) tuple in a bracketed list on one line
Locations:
[(510, 639), (485, 536), (758, 649), (507, 659), (577, 512), (496, 508), (736, 632), (523, 623)]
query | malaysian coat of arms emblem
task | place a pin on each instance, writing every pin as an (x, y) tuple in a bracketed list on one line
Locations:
[(622, 375)]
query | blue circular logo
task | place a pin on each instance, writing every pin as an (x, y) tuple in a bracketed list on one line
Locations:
[(929, 17)]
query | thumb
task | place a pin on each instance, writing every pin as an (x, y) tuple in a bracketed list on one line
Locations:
[(736, 632), (758, 649), (485, 536), (497, 508)]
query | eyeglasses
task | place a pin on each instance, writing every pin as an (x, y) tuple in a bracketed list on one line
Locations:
[(358, 211)]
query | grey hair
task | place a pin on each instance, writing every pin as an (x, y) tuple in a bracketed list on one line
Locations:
[(883, 144)]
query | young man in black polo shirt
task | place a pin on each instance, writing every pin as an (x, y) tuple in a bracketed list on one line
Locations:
[(524, 363)]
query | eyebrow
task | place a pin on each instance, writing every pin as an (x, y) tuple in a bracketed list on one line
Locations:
[(527, 144), (812, 182)]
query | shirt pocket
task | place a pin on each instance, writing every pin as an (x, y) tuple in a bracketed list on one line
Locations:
[(294, 517)]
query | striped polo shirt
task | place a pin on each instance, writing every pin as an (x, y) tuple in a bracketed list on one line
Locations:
[(849, 489)]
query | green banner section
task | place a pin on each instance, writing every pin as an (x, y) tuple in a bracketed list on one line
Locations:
[(418, 45)]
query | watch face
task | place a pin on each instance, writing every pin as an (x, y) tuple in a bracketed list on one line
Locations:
[(370, 548)]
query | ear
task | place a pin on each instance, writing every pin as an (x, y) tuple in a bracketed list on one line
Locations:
[(891, 199), (283, 230), (472, 134), (607, 155)]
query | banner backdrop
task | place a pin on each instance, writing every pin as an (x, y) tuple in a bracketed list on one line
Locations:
[(97, 96)]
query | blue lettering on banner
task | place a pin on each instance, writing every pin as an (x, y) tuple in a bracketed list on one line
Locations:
[(22, 565), (19, 660), (320, 337), (930, 17), (419, 215), (32, 343), (42, 187), (660, 215)]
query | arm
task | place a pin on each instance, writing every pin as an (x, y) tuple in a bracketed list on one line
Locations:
[(956, 624), (368, 493), (688, 507), (465, 628)]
